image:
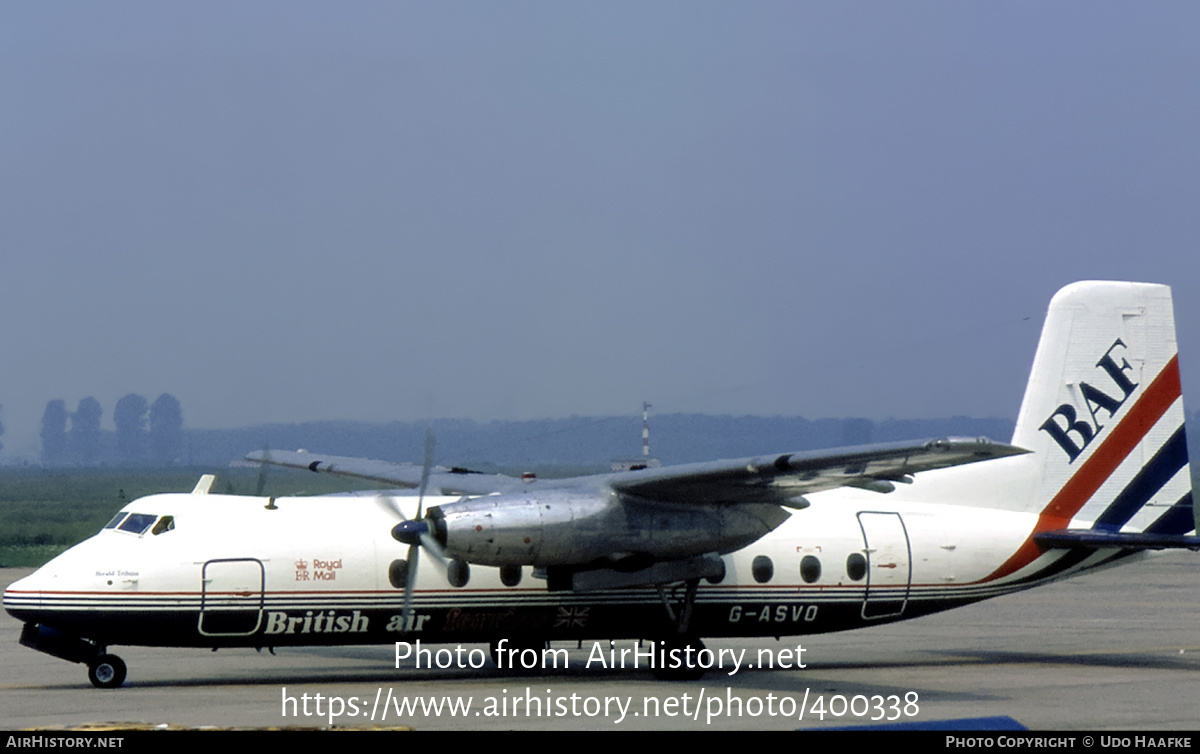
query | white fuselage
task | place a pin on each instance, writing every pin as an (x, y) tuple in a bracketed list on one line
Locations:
[(244, 571)]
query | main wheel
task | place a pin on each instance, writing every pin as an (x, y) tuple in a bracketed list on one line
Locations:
[(106, 672)]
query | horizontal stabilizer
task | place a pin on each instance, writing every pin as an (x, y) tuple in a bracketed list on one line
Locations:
[(1066, 539)]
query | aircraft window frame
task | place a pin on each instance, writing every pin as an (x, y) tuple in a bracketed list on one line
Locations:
[(137, 523), (112, 522)]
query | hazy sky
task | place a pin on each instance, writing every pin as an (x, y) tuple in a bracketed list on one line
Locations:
[(286, 211)]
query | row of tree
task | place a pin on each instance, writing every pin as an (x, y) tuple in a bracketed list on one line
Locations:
[(146, 434)]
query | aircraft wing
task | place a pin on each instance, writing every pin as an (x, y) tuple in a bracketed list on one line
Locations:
[(782, 479), (442, 480)]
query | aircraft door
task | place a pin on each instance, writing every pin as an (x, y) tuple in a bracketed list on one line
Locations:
[(231, 601), (889, 564)]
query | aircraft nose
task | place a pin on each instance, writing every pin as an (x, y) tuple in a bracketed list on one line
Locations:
[(22, 596)]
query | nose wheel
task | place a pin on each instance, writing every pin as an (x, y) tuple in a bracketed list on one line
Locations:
[(106, 671)]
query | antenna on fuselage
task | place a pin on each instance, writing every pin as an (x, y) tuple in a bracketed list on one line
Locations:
[(204, 485)]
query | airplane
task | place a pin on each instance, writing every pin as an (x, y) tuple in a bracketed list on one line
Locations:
[(1096, 475)]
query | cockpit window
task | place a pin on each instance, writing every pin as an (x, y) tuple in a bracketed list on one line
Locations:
[(166, 523), (140, 523), (137, 523)]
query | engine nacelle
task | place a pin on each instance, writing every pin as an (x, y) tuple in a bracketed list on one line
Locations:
[(564, 527)]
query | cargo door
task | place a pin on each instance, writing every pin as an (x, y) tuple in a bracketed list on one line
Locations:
[(231, 602), (889, 564)]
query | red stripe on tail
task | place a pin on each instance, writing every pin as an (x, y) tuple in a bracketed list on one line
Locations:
[(1100, 465)]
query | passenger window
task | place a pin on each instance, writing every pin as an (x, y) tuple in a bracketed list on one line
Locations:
[(458, 572), (856, 566), (810, 569), (718, 577), (510, 575), (762, 569)]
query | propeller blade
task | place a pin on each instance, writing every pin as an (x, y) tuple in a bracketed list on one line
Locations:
[(389, 504), (410, 583), (434, 549), (426, 467)]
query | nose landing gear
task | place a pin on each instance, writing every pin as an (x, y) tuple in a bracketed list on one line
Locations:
[(106, 671)]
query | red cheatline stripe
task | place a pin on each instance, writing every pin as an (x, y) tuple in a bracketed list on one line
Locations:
[(1144, 414)]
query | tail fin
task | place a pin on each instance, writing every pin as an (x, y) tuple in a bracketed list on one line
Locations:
[(1103, 415)]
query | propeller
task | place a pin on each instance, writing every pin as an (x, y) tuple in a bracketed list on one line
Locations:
[(415, 533)]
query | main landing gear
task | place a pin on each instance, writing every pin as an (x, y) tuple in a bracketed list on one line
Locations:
[(682, 648)]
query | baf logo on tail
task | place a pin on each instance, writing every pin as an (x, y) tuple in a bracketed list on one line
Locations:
[(1064, 421)]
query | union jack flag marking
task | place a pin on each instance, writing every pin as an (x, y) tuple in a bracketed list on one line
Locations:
[(571, 617)]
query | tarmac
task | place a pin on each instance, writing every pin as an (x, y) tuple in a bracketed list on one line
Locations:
[(1112, 651)]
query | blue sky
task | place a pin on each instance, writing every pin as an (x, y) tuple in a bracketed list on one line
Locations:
[(286, 211)]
